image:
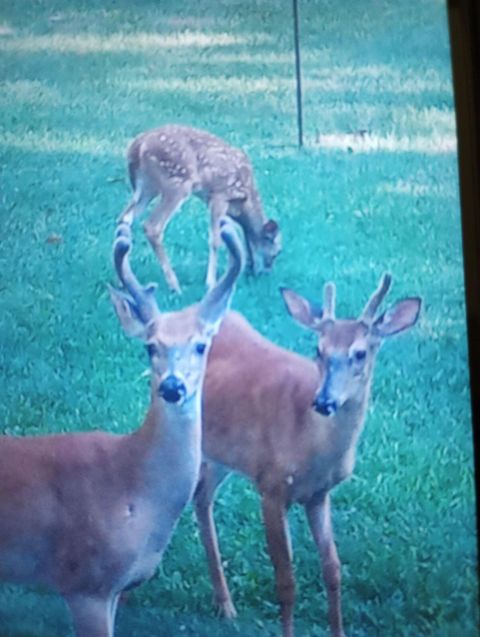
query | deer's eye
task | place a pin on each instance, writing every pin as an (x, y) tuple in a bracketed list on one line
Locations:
[(200, 348), (359, 355), (151, 350)]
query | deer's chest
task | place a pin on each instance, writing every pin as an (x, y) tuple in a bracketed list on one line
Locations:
[(320, 474), (142, 529), (146, 533)]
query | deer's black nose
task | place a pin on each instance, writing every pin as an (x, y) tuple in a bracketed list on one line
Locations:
[(325, 407), (172, 389)]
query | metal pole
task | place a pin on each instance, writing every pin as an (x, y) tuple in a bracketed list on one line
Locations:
[(297, 73)]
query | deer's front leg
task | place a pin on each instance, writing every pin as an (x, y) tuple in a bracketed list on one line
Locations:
[(211, 476), (218, 208), (92, 616), (320, 521), (155, 227), (279, 548)]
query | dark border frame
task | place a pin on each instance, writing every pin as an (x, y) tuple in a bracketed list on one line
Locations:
[(464, 24)]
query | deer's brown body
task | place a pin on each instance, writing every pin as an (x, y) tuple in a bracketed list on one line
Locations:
[(291, 425), (253, 430), (174, 162), (85, 513), (90, 514)]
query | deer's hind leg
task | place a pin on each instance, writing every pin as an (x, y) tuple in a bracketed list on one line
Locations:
[(140, 199), (156, 225), (211, 476)]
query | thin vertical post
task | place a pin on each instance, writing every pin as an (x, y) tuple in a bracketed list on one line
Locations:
[(298, 73)]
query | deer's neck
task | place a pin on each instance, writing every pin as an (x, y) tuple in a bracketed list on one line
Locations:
[(351, 417), (252, 224), (169, 446)]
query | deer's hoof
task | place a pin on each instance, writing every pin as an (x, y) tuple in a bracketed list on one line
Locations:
[(174, 286), (226, 609)]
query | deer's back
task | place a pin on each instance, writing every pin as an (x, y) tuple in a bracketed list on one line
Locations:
[(188, 155)]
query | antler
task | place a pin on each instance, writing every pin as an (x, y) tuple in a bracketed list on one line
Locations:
[(329, 301), (224, 287), (377, 297), (142, 295)]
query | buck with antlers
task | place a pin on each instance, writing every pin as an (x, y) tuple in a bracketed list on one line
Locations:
[(176, 162), (291, 425), (90, 514)]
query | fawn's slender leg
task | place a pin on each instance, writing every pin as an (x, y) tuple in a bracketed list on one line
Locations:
[(279, 548), (251, 266), (92, 616), (320, 521), (218, 207), (211, 476), (133, 209), (141, 197), (156, 225)]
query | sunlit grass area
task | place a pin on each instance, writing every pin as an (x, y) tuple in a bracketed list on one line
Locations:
[(375, 188), (120, 42)]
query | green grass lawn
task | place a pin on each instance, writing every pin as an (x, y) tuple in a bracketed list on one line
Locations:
[(374, 189)]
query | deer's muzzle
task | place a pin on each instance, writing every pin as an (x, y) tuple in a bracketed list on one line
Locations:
[(172, 389), (324, 406), (267, 265)]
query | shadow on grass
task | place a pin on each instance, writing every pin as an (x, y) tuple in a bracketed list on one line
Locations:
[(26, 613)]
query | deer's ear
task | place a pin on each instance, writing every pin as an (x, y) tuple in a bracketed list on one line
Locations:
[(303, 311), (270, 229), (401, 316), (128, 315)]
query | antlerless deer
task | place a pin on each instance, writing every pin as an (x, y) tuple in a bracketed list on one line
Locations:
[(291, 425), (176, 162), (90, 514)]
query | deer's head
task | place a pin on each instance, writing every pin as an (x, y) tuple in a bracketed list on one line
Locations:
[(269, 245), (346, 349), (263, 235), (177, 342)]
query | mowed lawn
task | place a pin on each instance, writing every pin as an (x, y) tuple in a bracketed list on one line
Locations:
[(374, 189)]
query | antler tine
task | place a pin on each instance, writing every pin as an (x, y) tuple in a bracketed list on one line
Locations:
[(329, 301), (142, 295), (230, 238), (377, 297)]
